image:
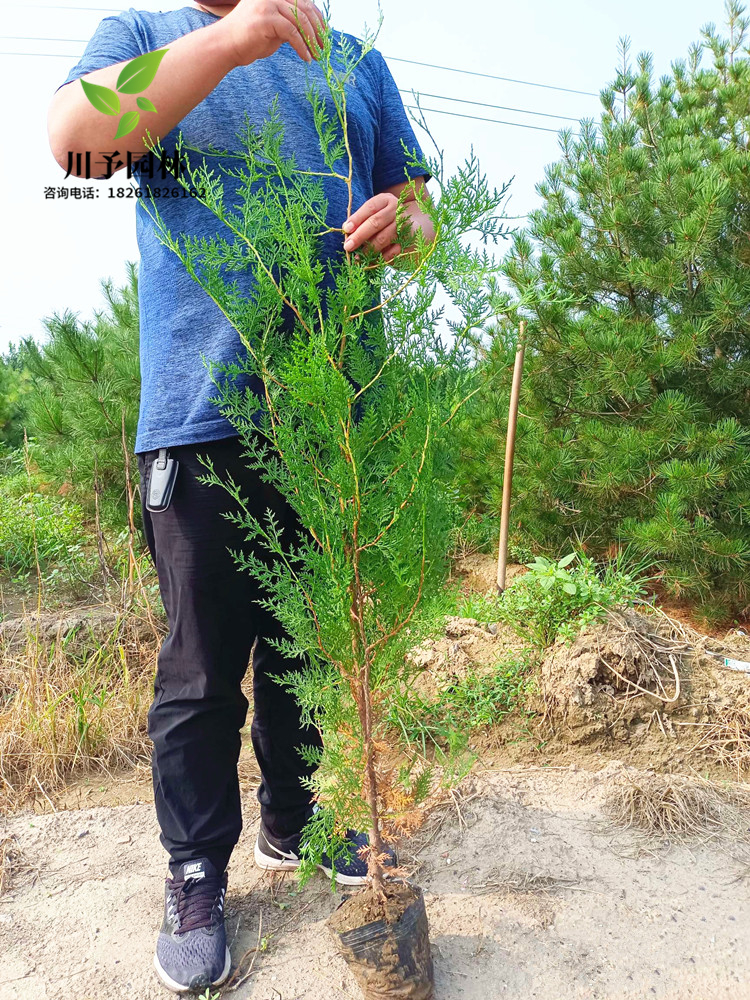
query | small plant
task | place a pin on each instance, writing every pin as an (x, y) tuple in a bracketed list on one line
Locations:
[(476, 533), (352, 426), (482, 607), (557, 599)]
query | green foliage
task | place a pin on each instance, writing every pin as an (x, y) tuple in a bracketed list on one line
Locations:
[(472, 702), (634, 279), (474, 534), (85, 382), (556, 600), (36, 526), (14, 384), (354, 431)]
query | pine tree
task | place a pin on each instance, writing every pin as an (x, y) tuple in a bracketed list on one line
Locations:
[(356, 404), (85, 386), (13, 388), (633, 277)]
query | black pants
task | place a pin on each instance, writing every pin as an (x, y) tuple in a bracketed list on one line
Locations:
[(214, 621)]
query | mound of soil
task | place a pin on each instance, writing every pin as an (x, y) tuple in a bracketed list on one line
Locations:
[(81, 627), (615, 673), (468, 646), (478, 573)]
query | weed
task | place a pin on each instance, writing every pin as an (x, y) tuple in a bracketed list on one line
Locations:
[(482, 607), (476, 533), (556, 599), (474, 701)]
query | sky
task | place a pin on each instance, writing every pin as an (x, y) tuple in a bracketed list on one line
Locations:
[(58, 251)]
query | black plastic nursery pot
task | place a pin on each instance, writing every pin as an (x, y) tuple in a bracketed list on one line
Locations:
[(389, 957)]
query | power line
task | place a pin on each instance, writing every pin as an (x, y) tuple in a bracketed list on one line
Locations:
[(482, 104), (490, 76), (437, 111), (475, 118), (438, 97)]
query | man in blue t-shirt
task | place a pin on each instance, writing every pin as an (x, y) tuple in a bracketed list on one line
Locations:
[(223, 60)]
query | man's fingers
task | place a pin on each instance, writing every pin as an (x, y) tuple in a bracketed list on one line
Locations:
[(391, 252), (376, 204), (372, 231), (384, 238), (381, 241), (297, 15), (289, 31)]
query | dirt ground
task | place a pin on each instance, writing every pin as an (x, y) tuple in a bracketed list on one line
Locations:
[(531, 893), (532, 890)]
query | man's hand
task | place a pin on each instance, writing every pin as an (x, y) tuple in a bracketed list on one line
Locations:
[(255, 29), (375, 222)]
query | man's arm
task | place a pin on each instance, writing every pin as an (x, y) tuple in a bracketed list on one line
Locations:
[(375, 222), (191, 69)]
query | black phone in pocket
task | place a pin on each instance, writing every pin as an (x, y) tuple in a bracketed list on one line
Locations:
[(161, 482)]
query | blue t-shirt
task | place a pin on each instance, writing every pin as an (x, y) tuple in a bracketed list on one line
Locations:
[(179, 323)]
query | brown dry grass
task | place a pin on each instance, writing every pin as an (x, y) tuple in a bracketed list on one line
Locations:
[(726, 738), (669, 805), (72, 703)]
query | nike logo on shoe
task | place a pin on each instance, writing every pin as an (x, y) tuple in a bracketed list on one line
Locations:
[(289, 855), (194, 870)]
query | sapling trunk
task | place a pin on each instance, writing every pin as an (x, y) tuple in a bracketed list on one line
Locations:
[(352, 427)]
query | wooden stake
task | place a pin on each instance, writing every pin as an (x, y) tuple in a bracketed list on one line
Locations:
[(510, 451)]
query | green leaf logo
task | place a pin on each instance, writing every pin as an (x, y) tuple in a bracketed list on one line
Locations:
[(127, 123), (144, 104), (140, 72), (102, 98)]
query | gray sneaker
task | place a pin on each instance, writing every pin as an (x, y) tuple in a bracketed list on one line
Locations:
[(277, 855), (191, 950)]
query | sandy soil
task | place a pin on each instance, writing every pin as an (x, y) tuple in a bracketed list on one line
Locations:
[(531, 893)]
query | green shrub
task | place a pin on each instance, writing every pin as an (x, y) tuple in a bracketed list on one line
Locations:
[(354, 432), (553, 600), (33, 525)]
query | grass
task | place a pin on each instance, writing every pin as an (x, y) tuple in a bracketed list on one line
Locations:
[(469, 703), (482, 607), (73, 703), (668, 805), (726, 739)]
